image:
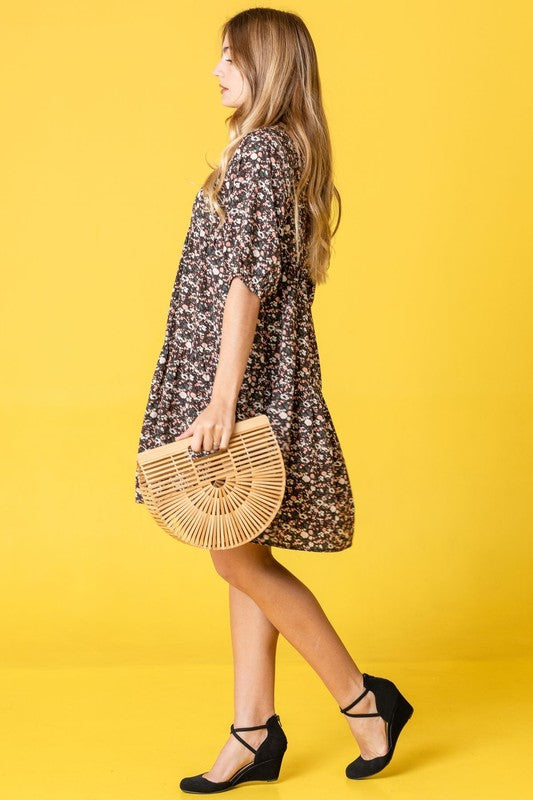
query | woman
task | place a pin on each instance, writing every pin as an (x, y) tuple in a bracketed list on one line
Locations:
[(239, 342)]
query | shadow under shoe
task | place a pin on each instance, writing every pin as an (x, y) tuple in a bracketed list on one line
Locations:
[(265, 766), (395, 710)]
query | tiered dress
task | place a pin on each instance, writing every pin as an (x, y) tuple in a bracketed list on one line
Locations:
[(282, 379)]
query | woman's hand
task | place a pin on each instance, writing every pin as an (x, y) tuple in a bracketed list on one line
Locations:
[(212, 429)]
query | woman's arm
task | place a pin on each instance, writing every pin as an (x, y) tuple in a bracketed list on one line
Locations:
[(216, 422)]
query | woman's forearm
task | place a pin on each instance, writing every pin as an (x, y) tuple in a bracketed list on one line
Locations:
[(238, 329)]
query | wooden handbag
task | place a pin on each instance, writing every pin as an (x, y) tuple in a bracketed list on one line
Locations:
[(220, 500)]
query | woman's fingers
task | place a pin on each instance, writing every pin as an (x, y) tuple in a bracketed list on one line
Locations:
[(211, 430), (186, 433), (208, 436), (226, 436)]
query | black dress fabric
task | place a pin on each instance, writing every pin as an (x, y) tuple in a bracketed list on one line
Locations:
[(282, 379)]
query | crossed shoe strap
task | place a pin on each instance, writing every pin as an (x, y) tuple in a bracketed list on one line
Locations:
[(255, 728), (345, 710)]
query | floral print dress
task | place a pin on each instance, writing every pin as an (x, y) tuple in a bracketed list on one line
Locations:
[(282, 377)]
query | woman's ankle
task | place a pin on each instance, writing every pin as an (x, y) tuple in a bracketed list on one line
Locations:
[(250, 717), (353, 689)]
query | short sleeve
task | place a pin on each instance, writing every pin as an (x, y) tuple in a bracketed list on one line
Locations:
[(254, 216)]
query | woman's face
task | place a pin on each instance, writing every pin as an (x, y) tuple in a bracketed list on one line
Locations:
[(235, 87)]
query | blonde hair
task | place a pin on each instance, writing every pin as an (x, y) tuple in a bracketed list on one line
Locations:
[(276, 55)]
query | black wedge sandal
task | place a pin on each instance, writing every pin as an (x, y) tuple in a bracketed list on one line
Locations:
[(265, 766), (395, 710)]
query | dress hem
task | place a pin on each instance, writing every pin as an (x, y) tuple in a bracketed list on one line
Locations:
[(289, 547), (304, 549)]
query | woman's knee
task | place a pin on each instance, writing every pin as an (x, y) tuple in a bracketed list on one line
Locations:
[(239, 566), (221, 563)]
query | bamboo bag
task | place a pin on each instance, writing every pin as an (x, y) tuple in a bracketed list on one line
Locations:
[(220, 500)]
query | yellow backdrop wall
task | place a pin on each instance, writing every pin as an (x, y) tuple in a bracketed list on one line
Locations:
[(424, 327)]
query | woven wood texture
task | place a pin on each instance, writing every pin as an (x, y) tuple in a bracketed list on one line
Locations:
[(219, 500)]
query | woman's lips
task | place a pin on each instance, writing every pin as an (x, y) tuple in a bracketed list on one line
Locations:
[(223, 89)]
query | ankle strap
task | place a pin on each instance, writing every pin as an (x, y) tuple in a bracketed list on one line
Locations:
[(253, 728), (345, 709)]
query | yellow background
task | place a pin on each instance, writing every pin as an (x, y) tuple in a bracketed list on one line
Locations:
[(111, 114)]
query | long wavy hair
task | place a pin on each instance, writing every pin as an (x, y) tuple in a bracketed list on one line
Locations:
[(276, 55)]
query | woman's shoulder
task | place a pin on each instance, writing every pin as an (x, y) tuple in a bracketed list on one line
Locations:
[(272, 139), (270, 144)]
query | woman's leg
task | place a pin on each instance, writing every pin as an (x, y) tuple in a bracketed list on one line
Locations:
[(295, 612), (254, 640)]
